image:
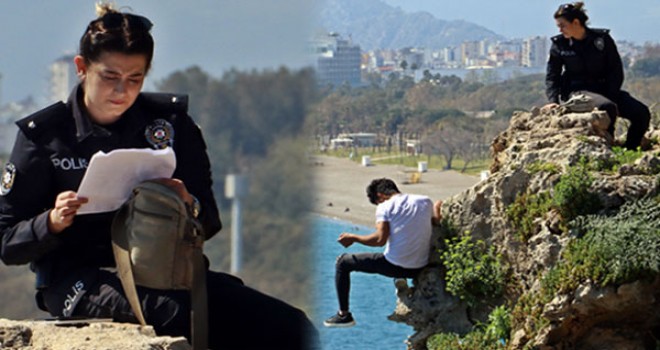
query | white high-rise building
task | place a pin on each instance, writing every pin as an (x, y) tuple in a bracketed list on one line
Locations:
[(337, 60), (62, 78), (534, 52), (469, 52)]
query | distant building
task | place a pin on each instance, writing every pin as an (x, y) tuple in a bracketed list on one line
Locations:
[(414, 58), (505, 53), (360, 139), (469, 51), (337, 61), (484, 46), (341, 143), (534, 52), (413, 147), (450, 55), (62, 78)]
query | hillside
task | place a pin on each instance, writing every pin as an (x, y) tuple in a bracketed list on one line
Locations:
[(373, 24), (557, 249)]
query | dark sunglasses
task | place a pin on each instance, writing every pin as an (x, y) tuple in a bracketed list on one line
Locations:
[(565, 8), (115, 20)]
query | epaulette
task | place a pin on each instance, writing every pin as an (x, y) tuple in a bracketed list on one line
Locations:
[(37, 123), (556, 37), (600, 30), (165, 102)]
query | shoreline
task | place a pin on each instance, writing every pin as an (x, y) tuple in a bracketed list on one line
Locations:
[(339, 187)]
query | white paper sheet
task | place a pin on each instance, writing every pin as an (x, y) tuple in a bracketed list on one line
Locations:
[(110, 177)]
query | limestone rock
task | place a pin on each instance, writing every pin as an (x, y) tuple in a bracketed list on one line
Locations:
[(591, 318), (42, 335), (604, 318), (429, 307)]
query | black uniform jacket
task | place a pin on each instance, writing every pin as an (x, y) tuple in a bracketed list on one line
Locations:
[(591, 64), (51, 153)]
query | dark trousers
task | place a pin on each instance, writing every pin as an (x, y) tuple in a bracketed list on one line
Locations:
[(365, 262), (239, 317), (627, 107)]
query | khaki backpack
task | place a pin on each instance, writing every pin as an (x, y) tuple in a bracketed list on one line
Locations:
[(157, 243)]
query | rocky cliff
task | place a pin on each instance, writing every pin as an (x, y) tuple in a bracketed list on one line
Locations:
[(41, 335), (559, 290)]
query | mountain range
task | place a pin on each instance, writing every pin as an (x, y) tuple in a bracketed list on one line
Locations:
[(374, 24)]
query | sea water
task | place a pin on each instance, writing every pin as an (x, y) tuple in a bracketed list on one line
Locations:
[(372, 297)]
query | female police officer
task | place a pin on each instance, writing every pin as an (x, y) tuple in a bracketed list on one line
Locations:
[(586, 60), (70, 254)]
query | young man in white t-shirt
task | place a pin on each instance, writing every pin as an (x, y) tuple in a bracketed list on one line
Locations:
[(403, 226)]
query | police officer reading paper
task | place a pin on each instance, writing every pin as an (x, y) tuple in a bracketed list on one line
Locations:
[(71, 254)]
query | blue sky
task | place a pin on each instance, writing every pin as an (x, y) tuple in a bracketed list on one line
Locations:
[(219, 34), (634, 20), (214, 34)]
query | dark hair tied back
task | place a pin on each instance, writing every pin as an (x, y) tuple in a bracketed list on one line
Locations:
[(115, 31), (571, 11)]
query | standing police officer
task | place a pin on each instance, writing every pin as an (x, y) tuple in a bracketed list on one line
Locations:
[(72, 255), (584, 60)]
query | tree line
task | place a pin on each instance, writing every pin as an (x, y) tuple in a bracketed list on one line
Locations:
[(253, 124), (442, 111)]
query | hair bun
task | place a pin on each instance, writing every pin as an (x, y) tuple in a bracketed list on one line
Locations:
[(103, 8), (579, 5)]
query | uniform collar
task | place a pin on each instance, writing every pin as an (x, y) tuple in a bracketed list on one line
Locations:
[(84, 125)]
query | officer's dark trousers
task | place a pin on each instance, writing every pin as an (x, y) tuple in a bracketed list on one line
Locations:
[(627, 107), (364, 262), (239, 317)]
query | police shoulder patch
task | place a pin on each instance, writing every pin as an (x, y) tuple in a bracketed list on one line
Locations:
[(599, 43), (8, 177), (160, 134)]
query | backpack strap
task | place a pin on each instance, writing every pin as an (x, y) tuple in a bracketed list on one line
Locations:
[(198, 299), (123, 261)]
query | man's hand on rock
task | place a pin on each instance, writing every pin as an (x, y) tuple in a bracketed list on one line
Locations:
[(550, 106)]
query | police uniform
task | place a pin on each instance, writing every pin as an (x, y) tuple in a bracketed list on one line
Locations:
[(74, 277), (593, 65)]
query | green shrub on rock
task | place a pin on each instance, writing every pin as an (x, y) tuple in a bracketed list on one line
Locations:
[(614, 249), (474, 271), (605, 250), (538, 167), (572, 194), (492, 336), (524, 211), (621, 156)]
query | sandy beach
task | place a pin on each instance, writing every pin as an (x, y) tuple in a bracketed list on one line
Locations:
[(340, 186)]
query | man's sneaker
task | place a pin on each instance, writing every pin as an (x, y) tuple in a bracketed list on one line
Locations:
[(340, 320)]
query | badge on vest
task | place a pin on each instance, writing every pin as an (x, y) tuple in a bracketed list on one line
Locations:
[(8, 177), (600, 44), (160, 134)]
